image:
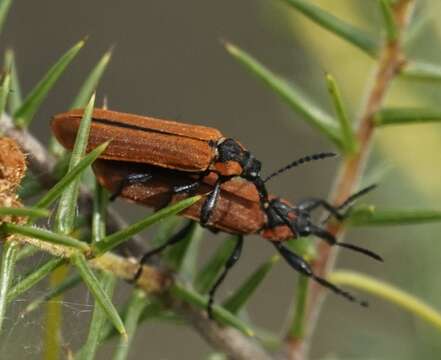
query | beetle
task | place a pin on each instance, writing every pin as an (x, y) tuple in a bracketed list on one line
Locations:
[(167, 144), (238, 212), (195, 149)]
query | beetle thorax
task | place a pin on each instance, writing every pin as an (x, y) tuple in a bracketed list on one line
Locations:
[(277, 213), (232, 157)]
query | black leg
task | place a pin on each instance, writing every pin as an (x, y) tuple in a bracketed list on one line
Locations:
[(355, 196), (330, 239), (210, 202), (261, 190), (312, 204), (191, 187), (300, 265), (302, 226), (180, 235), (349, 202), (305, 228), (187, 188), (235, 255), (129, 180)]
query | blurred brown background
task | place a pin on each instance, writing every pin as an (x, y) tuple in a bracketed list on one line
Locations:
[(169, 62)]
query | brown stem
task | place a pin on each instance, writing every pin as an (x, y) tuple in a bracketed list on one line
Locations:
[(390, 62), (156, 281), (235, 345)]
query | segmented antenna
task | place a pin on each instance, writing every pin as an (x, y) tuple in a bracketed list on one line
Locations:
[(300, 161)]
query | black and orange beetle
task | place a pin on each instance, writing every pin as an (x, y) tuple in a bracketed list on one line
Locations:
[(155, 162), (238, 211), (167, 144)]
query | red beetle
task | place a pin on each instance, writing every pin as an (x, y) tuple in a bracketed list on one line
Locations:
[(167, 144), (238, 211), (154, 162)]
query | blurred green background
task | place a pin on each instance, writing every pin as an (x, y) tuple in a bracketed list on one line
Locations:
[(169, 62)]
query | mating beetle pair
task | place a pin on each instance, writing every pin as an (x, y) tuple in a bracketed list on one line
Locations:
[(166, 144), (156, 162)]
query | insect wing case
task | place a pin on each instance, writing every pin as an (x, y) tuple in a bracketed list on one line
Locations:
[(141, 139)]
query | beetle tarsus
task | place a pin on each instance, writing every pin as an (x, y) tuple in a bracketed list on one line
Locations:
[(331, 240), (361, 250), (355, 196), (300, 265), (180, 235), (232, 260)]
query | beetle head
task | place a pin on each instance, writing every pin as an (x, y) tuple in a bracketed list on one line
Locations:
[(251, 167)]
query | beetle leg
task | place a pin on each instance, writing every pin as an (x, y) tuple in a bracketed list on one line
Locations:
[(313, 203), (263, 194), (210, 202), (303, 227), (331, 240), (349, 202), (180, 235), (235, 255), (130, 180), (299, 264), (187, 188)]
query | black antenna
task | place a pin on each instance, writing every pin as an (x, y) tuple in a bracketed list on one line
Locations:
[(300, 161)]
